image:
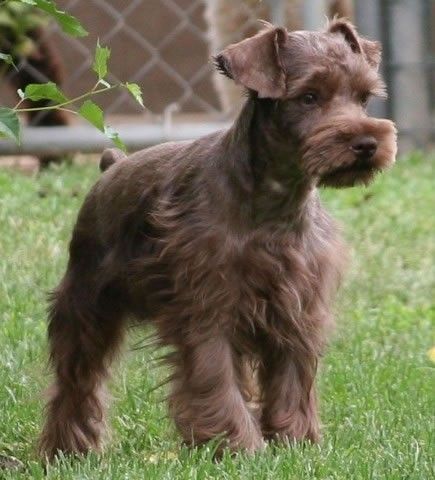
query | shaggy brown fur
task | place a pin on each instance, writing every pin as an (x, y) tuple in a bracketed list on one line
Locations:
[(223, 246), (230, 21)]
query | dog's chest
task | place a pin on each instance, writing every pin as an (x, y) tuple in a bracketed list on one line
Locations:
[(284, 282)]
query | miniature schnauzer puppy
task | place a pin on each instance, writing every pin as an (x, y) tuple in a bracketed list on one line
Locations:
[(223, 246)]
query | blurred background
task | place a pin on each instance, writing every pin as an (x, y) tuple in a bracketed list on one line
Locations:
[(165, 46)]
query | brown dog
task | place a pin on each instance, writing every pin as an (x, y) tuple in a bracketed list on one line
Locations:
[(222, 245)]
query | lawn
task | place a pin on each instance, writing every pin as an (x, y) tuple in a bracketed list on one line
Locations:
[(376, 382)]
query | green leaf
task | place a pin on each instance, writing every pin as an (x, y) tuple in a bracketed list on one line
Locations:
[(9, 124), (94, 115), (136, 92), (8, 59), (44, 91), (114, 136), (67, 22), (102, 54), (91, 112)]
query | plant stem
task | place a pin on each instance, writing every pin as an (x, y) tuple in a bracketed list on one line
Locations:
[(18, 104), (68, 102), (67, 110), (94, 88)]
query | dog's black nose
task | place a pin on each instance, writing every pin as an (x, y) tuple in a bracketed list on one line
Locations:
[(364, 146)]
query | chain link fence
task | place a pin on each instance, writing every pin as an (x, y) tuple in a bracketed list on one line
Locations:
[(165, 47)]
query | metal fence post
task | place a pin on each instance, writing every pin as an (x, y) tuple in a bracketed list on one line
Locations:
[(368, 16), (409, 82), (277, 11), (314, 14)]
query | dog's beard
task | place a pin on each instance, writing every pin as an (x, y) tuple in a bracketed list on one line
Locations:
[(340, 171), (355, 173), (327, 154)]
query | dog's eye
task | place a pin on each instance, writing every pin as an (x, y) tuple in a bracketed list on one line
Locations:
[(309, 99), (364, 99)]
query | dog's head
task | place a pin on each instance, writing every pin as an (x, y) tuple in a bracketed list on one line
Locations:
[(319, 83)]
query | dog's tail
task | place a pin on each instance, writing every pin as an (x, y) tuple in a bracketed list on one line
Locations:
[(111, 156)]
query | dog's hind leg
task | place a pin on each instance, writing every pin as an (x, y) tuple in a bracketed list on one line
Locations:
[(85, 329)]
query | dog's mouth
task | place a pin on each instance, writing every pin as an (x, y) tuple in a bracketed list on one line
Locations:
[(359, 171)]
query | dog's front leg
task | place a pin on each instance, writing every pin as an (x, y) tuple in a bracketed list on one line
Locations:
[(289, 410), (206, 401)]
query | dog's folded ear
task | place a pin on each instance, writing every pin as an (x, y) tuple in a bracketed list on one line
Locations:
[(371, 50), (255, 62)]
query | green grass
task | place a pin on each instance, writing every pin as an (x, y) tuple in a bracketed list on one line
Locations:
[(376, 382)]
